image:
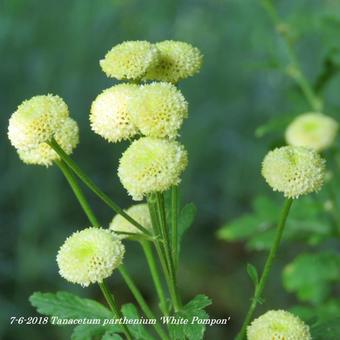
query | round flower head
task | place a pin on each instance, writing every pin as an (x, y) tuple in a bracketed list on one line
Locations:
[(278, 325), (178, 60), (67, 136), (109, 113), (129, 60), (140, 213), (89, 256), (158, 110), (36, 120), (312, 130), (151, 165), (294, 171)]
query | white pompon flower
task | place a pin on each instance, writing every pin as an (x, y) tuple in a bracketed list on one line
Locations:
[(312, 130), (110, 117), (151, 165), (89, 256), (140, 213), (278, 325), (294, 170)]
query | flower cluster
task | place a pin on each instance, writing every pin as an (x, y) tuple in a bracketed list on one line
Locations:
[(294, 170), (278, 325), (153, 111), (140, 213), (312, 130), (35, 123), (89, 256)]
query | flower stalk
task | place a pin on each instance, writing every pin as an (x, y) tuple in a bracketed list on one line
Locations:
[(267, 267)]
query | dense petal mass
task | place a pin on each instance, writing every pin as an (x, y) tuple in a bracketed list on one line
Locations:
[(158, 110), (312, 130), (140, 213), (67, 136), (294, 171), (36, 120), (151, 165), (178, 60), (110, 117), (89, 256), (129, 60), (278, 325)]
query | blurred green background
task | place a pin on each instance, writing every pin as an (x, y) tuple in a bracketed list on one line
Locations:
[(54, 47)]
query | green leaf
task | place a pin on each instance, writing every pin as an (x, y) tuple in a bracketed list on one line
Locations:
[(192, 310), (67, 305), (310, 275), (89, 332), (111, 336), (185, 220), (252, 272), (137, 330)]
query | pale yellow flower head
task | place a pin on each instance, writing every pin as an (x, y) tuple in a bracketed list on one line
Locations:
[(151, 165), (158, 110), (129, 60), (110, 117), (140, 213), (178, 60), (294, 170), (67, 136), (278, 325), (312, 130), (89, 256), (36, 120)]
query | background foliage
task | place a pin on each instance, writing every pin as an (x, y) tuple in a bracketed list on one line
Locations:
[(54, 47)]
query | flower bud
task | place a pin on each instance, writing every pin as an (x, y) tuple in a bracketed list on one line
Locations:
[(151, 165), (312, 130), (67, 137), (110, 117), (178, 60), (158, 110), (36, 120), (140, 213), (89, 256), (294, 171), (129, 60), (278, 325)]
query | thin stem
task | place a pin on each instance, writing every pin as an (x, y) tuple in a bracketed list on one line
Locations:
[(267, 267), (295, 70), (164, 231), (139, 298), (93, 187), (174, 212), (155, 275), (78, 193), (160, 251), (114, 308)]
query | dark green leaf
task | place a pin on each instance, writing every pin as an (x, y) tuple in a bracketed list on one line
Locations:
[(185, 220), (326, 329), (252, 272)]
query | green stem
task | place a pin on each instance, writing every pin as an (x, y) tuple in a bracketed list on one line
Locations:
[(267, 267), (78, 193), (93, 187), (295, 70), (139, 298), (174, 212), (164, 232), (114, 308), (155, 275), (160, 250), (92, 218)]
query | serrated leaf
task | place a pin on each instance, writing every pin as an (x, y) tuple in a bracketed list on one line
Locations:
[(68, 305), (90, 332), (252, 272), (193, 309), (138, 330), (310, 275), (185, 220)]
